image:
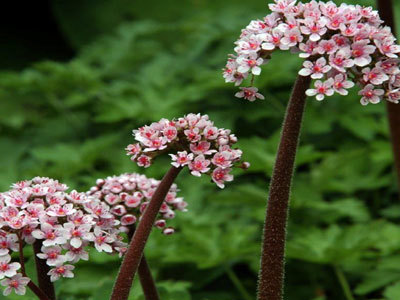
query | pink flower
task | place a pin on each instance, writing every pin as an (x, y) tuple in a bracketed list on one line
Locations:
[(322, 89), (361, 52), (292, 37), (102, 240), (52, 255), (250, 63), (61, 271), (315, 29), (376, 76), (128, 220), (222, 159), (273, 40), (387, 47), (181, 159), (199, 165), (316, 70), (144, 161), (17, 283), (7, 243), (341, 84), (371, 95), (52, 235), (220, 175), (341, 59), (250, 94), (8, 269)]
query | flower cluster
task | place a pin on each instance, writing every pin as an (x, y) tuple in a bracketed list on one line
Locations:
[(342, 45), (129, 194), (64, 223), (202, 147)]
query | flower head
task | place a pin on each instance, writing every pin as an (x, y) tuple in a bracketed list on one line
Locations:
[(127, 193), (345, 40), (196, 143), (65, 223), (16, 283)]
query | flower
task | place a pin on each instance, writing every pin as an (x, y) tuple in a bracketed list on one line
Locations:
[(371, 95), (41, 209), (61, 271), (16, 283), (322, 89), (250, 93), (346, 40), (135, 191), (8, 269), (198, 144), (316, 70)]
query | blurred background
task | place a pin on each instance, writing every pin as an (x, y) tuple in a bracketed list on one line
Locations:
[(77, 76)]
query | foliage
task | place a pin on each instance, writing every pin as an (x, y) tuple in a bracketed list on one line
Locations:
[(71, 121)]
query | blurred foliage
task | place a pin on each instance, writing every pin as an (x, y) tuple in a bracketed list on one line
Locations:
[(140, 61)]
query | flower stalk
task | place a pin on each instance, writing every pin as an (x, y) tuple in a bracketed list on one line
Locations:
[(385, 8), (146, 278), (42, 269), (271, 276), (134, 254)]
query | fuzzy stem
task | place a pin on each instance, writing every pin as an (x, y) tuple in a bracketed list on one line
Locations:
[(343, 283), (385, 8), (134, 254), (271, 276), (146, 279), (42, 269), (33, 287)]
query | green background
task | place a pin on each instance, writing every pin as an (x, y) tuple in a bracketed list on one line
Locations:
[(67, 110)]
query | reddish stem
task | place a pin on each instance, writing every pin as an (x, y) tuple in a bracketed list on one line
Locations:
[(134, 254), (385, 8), (33, 287), (271, 276), (42, 269), (146, 279)]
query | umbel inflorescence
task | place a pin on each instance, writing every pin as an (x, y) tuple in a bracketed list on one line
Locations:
[(195, 143), (66, 224), (129, 194), (343, 46)]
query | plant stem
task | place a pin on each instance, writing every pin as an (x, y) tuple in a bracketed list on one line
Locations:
[(271, 276), (33, 287), (42, 269), (238, 284), (385, 8), (343, 283), (134, 254), (146, 279)]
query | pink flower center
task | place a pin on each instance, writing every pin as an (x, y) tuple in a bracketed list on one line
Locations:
[(14, 284), (4, 267)]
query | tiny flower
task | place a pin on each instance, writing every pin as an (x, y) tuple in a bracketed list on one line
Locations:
[(250, 64), (199, 165), (181, 159), (16, 283), (322, 89), (376, 76), (250, 93), (220, 175), (370, 94), (61, 271), (8, 269), (341, 84), (361, 52), (316, 70), (52, 255)]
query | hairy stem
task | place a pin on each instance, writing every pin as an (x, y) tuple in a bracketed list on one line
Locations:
[(146, 279), (343, 283), (271, 276), (385, 8), (42, 269), (134, 254), (33, 287)]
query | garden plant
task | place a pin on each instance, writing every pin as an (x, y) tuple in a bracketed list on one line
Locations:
[(187, 237)]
